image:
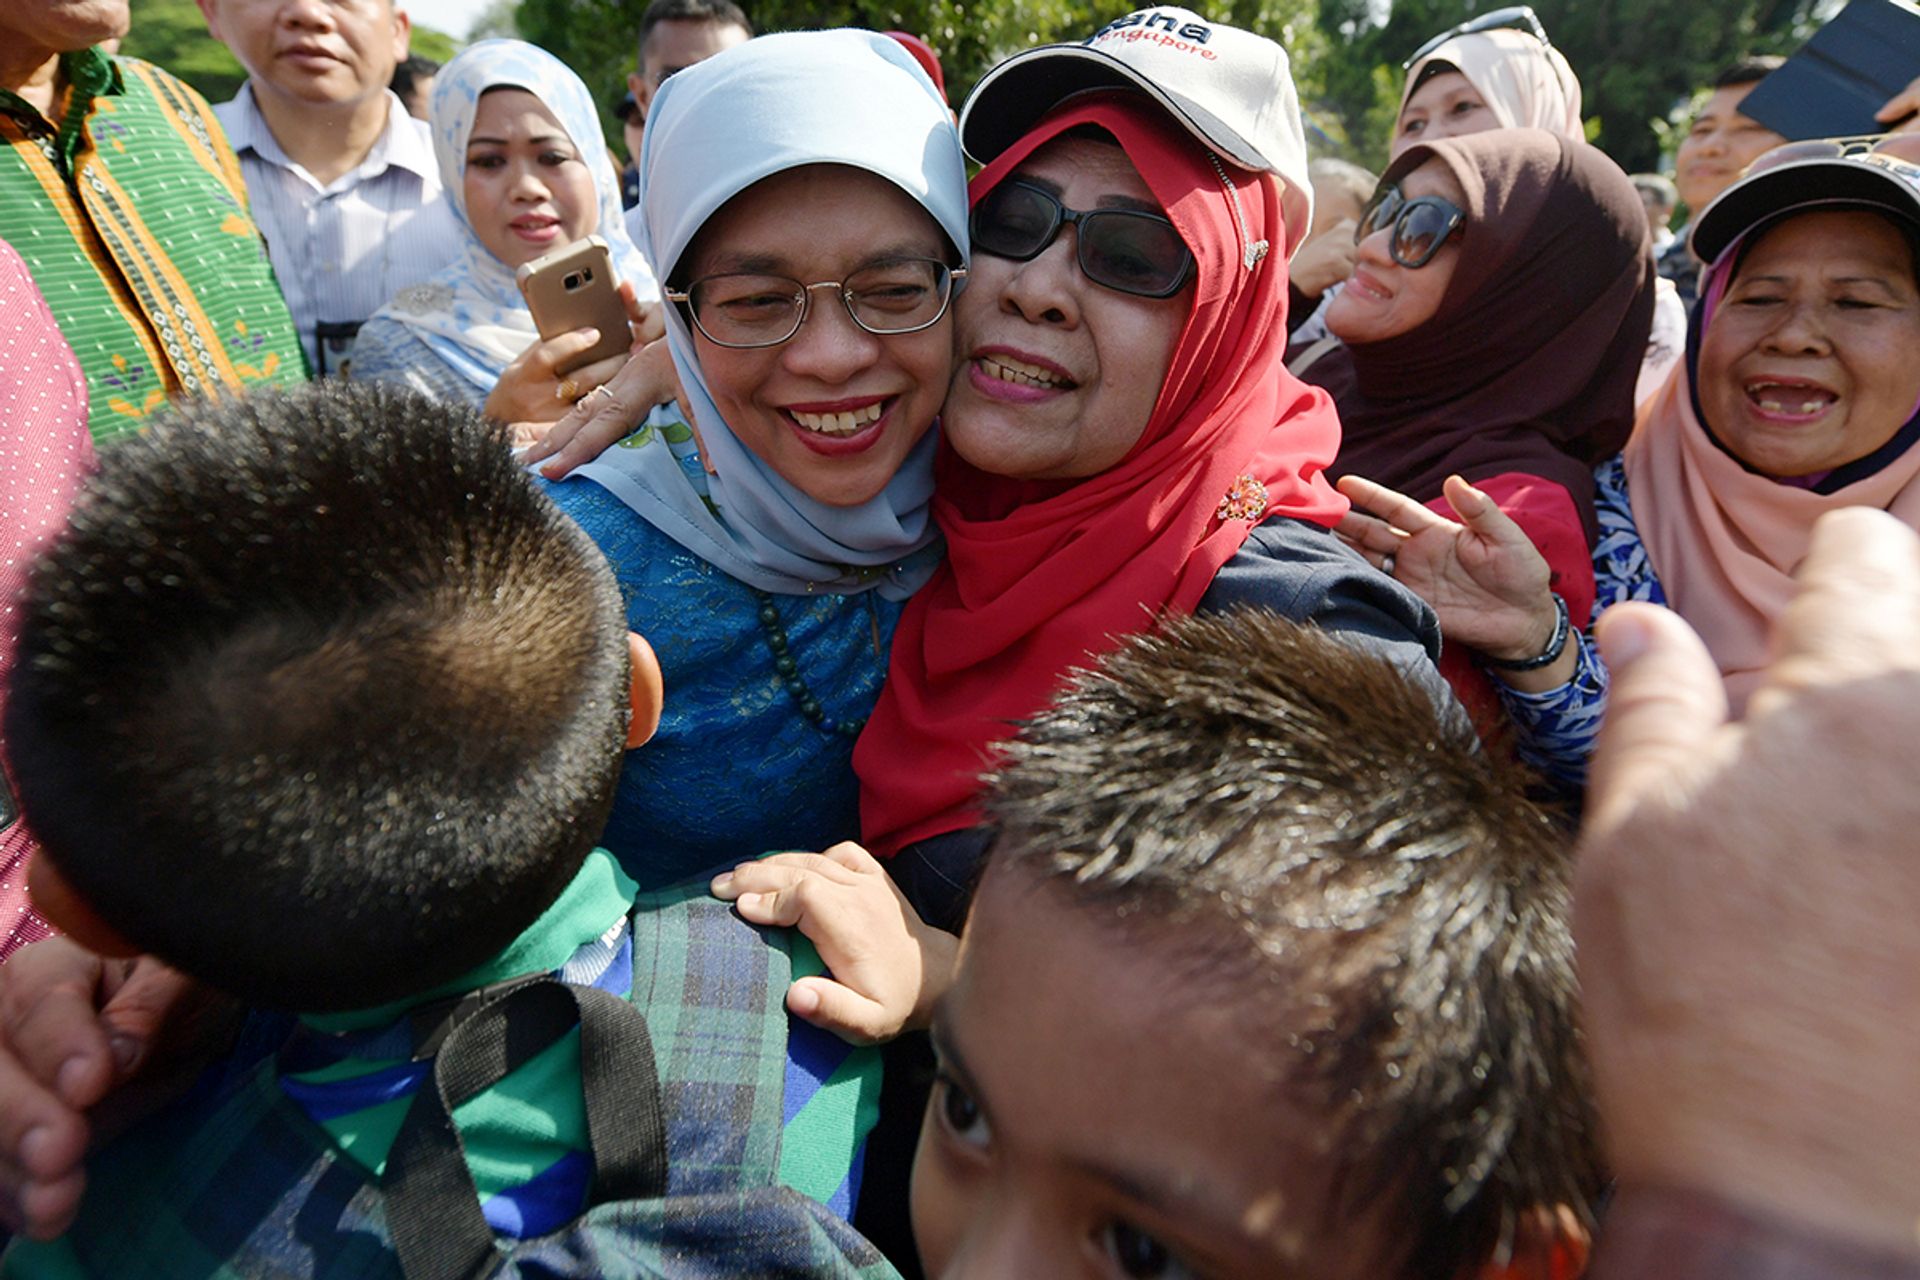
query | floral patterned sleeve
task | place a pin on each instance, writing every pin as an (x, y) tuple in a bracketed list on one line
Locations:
[(1556, 728)]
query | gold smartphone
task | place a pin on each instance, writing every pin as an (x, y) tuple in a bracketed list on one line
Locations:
[(575, 287)]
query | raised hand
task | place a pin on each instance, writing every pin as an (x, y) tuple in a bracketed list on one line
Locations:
[(1483, 577)]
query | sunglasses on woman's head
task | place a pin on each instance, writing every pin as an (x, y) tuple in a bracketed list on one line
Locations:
[(1875, 149), (1516, 17), (1420, 225), (1122, 249)]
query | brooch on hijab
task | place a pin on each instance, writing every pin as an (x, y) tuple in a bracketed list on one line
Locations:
[(1246, 500)]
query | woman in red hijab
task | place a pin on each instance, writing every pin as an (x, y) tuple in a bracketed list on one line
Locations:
[(1122, 440)]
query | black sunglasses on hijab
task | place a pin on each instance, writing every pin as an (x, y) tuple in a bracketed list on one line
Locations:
[(1519, 16)]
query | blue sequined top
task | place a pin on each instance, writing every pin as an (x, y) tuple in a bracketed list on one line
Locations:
[(735, 770)]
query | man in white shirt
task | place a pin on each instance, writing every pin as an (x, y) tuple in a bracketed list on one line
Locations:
[(342, 180)]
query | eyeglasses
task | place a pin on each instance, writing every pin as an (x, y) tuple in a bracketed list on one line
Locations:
[(1133, 252), (745, 309), (1517, 16), (1420, 225)]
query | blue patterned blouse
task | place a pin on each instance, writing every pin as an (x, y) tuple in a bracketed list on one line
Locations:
[(736, 770), (1557, 728)]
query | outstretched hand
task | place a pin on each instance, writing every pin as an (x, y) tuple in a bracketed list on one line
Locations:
[(1746, 896), (1487, 582), (887, 966)]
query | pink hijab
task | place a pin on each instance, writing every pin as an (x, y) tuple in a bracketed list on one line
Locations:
[(1526, 84), (45, 452)]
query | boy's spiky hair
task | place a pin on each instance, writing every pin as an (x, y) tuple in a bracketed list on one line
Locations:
[(318, 697), (1286, 807)]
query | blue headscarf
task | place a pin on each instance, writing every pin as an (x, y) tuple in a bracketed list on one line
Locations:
[(471, 314), (772, 104)]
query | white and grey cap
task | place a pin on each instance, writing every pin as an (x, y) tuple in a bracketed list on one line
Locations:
[(1232, 89)]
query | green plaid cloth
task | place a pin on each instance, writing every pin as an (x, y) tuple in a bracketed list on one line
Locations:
[(242, 1184)]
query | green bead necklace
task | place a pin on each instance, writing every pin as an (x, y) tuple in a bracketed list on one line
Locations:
[(788, 672)]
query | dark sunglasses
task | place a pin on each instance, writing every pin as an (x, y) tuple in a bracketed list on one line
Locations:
[(1132, 252), (1519, 16), (1420, 225)]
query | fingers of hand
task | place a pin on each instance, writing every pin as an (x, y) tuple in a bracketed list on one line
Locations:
[(854, 858), (153, 999), (40, 1208), (1901, 105), (840, 1009), (43, 1143), (1375, 539), (1858, 606), (53, 1027), (1397, 509), (1666, 705)]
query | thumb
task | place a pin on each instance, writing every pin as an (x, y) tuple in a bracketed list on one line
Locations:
[(144, 1004), (1666, 704), (840, 1009)]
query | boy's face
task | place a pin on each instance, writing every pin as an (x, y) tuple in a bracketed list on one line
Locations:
[(1100, 1113)]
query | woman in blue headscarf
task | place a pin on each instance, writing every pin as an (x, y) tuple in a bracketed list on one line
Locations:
[(804, 200), (523, 163)]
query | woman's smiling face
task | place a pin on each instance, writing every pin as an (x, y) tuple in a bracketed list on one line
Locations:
[(1059, 375), (834, 410), (527, 188), (1384, 299), (1808, 363)]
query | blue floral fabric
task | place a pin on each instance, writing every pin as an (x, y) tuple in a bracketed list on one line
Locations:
[(735, 770), (1558, 727)]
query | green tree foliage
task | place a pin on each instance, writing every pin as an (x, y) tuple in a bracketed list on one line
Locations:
[(1636, 59), (173, 34), (598, 37)]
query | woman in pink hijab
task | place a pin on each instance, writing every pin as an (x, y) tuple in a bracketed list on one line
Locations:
[(44, 454)]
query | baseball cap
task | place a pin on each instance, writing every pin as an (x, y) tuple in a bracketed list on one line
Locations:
[(1822, 174), (1231, 89)]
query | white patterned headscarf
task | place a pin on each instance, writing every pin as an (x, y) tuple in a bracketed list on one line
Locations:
[(471, 314), (772, 104)]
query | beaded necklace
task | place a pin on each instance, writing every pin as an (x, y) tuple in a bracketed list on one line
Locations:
[(788, 672)]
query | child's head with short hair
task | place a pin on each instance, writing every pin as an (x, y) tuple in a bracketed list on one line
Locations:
[(1269, 974), (318, 697)]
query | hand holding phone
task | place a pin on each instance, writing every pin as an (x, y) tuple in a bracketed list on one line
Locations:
[(575, 287)]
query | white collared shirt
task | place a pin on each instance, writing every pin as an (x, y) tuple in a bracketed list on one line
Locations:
[(341, 251)]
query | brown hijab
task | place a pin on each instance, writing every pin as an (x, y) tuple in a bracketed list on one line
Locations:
[(1529, 363)]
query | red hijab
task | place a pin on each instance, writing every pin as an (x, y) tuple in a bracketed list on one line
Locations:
[(1041, 577)]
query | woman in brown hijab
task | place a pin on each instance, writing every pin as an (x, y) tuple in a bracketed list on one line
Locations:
[(1493, 329)]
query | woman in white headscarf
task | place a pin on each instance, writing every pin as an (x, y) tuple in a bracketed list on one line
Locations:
[(810, 238), (1502, 78), (522, 161)]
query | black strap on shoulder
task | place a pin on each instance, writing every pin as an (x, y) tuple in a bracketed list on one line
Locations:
[(432, 1207)]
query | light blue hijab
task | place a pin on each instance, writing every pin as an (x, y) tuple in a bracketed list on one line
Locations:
[(471, 313), (772, 104)]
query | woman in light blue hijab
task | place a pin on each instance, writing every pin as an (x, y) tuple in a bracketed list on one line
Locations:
[(518, 192), (804, 199)]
